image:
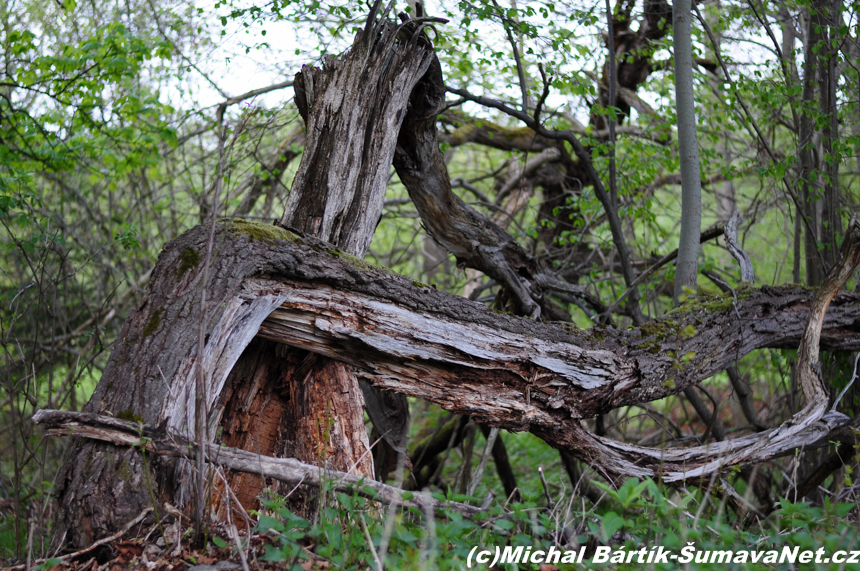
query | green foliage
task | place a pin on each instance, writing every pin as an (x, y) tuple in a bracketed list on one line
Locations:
[(92, 78), (83, 132), (347, 531)]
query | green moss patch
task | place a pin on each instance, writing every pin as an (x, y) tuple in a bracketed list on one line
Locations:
[(128, 414), (270, 234), (153, 323), (188, 260), (266, 233), (712, 303), (662, 328)]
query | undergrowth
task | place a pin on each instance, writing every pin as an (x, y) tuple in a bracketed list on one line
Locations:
[(348, 532)]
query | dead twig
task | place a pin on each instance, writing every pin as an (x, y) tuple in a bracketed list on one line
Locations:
[(102, 541)]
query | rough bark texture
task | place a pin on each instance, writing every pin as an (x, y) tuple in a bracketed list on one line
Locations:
[(150, 378), (337, 195), (353, 108)]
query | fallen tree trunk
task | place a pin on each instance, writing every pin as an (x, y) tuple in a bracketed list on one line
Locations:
[(505, 371), (540, 384)]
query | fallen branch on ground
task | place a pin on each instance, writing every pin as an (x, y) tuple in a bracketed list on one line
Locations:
[(289, 470)]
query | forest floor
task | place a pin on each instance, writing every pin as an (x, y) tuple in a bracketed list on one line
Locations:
[(145, 550)]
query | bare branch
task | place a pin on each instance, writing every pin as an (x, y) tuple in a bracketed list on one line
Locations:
[(585, 158), (731, 233), (709, 234), (255, 92)]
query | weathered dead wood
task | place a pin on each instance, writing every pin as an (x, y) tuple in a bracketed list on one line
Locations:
[(423, 330), (515, 381), (288, 470), (811, 425), (337, 195), (741, 257), (558, 379), (505, 371), (353, 108)]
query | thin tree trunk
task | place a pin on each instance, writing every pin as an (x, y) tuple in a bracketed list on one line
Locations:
[(831, 227), (687, 266), (688, 147), (806, 146)]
